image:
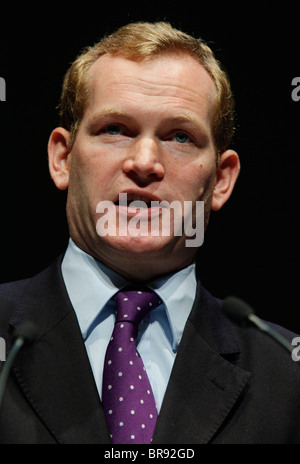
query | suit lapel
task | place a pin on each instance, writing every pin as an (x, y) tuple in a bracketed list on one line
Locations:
[(57, 364), (203, 386)]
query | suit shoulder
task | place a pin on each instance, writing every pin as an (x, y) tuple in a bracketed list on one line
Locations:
[(15, 293), (12, 289), (257, 350)]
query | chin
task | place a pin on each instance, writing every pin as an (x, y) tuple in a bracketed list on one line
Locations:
[(143, 258), (138, 245)]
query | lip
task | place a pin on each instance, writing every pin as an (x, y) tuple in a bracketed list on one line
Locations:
[(146, 196), (139, 195), (143, 213)]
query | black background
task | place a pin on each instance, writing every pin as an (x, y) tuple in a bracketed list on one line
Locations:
[(251, 247)]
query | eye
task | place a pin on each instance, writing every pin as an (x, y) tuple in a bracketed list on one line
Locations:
[(182, 137), (113, 129)]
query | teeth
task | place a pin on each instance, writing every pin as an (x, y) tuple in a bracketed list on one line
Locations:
[(131, 198), (135, 198)]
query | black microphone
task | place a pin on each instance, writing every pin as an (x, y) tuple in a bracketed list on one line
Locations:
[(24, 334), (241, 312)]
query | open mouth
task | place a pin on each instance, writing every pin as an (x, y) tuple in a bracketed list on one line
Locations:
[(132, 204), (136, 201), (141, 202)]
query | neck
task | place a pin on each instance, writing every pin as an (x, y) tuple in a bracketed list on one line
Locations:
[(139, 267)]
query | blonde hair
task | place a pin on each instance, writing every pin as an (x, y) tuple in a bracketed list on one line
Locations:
[(143, 41)]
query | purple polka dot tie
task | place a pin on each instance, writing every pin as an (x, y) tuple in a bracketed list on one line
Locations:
[(127, 396)]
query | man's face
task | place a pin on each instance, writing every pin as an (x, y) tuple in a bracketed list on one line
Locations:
[(146, 132)]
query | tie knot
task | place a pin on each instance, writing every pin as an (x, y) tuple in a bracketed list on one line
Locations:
[(134, 305)]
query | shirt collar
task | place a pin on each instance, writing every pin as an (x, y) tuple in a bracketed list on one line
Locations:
[(91, 284), (177, 291)]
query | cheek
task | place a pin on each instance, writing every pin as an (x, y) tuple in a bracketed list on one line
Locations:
[(91, 170), (196, 179), (207, 175)]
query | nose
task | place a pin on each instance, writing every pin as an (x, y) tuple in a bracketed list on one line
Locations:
[(144, 164)]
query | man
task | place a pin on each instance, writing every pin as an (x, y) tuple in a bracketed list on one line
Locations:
[(147, 115)]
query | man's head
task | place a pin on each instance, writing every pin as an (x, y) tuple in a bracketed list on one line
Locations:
[(147, 112)]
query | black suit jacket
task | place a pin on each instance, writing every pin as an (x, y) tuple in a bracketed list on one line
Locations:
[(228, 384)]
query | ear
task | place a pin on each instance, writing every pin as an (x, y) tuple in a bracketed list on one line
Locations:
[(58, 152), (226, 175)]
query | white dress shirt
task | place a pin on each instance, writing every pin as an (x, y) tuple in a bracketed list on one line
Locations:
[(91, 286)]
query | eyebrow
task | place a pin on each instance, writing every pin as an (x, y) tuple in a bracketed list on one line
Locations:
[(180, 118), (109, 112), (184, 118)]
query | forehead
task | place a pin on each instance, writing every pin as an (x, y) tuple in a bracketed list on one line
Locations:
[(175, 81)]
